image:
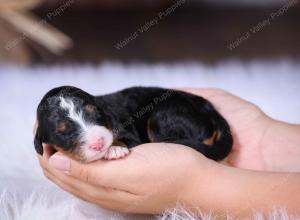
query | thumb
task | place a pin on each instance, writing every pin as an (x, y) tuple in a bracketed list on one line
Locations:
[(96, 172), (71, 167)]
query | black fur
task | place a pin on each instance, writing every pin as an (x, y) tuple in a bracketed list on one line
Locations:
[(138, 115)]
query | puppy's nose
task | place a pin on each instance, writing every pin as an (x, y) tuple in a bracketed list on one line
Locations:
[(97, 143)]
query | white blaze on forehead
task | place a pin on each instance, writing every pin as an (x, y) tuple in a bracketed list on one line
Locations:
[(76, 116), (88, 131)]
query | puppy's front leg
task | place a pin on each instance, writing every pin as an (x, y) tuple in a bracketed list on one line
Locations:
[(116, 152)]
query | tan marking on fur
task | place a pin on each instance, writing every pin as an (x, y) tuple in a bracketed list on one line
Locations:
[(61, 126), (218, 135), (89, 108), (215, 137), (150, 132)]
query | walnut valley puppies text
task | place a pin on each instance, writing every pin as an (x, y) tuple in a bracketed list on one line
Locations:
[(145, 109), (260, 26), (149, 24)]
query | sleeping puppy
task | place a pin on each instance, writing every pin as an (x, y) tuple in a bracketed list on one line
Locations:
[(89, 128)]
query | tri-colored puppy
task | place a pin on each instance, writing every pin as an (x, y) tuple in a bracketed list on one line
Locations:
[(89, 128)]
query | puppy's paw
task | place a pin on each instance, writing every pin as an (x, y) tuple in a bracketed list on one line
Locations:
[(116, 152)]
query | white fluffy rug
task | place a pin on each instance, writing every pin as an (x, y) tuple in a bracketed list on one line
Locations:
[(26, 195)]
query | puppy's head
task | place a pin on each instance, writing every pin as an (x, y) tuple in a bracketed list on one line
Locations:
[(70, 121)]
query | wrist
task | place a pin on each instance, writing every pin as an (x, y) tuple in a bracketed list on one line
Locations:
[(218, 189), (236, 192), (281, 147), (199, 192)]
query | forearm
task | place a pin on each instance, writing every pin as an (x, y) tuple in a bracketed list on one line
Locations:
[(239, 192), (281, 147)]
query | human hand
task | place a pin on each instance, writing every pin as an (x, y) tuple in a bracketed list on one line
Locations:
[(153, 178), (248, 126), (156, 176), (260, 142)]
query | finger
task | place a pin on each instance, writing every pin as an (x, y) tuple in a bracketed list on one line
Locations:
[(67, 187), (107, 173), (116, 205), (89, 191), (105, 192), (79, 194), (48, 151), (42, 161), (204, 92), (117, 201), (72, 183)]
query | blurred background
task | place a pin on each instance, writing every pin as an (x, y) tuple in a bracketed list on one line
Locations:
[(78, 31), (250, 48)]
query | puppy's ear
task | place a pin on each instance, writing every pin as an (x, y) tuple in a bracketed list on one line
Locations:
[(38, 143)]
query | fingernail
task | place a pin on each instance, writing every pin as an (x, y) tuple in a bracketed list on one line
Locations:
[(60, 162)]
